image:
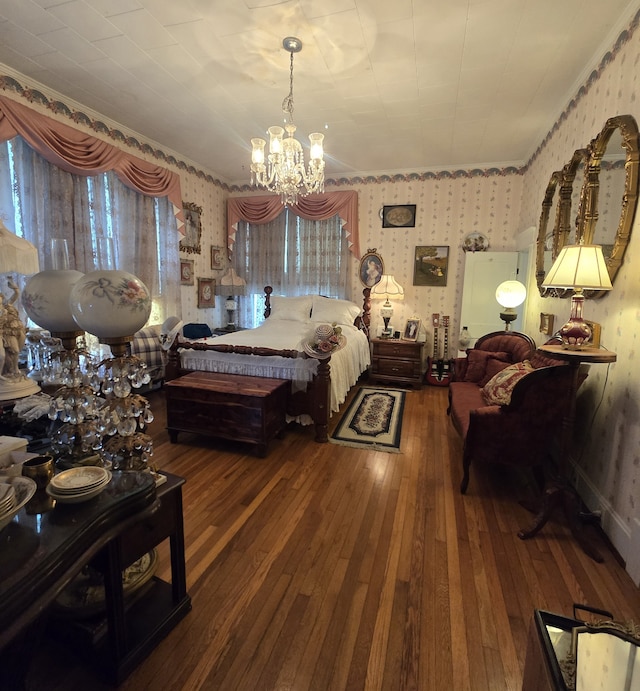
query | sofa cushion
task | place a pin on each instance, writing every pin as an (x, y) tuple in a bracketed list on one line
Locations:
[(497, 391), (494, 366), (477, 363), (464, 397)]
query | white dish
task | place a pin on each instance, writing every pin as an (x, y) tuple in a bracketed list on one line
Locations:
[(24, 488), (79, 479), (77, 497)]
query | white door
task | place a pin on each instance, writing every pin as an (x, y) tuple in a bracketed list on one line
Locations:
[(483, 273)]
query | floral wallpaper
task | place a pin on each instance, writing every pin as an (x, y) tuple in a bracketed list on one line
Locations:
[(500, 204)]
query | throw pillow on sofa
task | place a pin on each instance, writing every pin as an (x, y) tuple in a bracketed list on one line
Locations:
[(477, 361), (498, 390)]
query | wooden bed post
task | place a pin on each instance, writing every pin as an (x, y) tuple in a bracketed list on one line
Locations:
[(322, 400), (172, 369), (267, 301)]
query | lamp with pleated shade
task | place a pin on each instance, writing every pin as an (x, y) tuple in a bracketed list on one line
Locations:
[(578, 267)]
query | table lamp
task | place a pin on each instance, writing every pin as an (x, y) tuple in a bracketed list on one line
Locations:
[(17, 256), (510, 294), (387, 288), (578, 267), (231, 285)]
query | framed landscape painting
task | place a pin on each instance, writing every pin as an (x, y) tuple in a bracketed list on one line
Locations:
[(430, 265)]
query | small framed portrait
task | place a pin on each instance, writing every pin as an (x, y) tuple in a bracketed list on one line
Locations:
[(217, 257), (430, 265), (186, 272), (411, 330), (399, 216), (206, 292), (190, 243), (371, 268), (546, 323)]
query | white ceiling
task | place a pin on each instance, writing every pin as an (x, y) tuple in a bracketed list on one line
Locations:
[(399, 85)]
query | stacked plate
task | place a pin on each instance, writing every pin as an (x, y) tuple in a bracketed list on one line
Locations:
[(78, 484), (15, 492)]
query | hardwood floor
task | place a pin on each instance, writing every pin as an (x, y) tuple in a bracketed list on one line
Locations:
[(326, 567)]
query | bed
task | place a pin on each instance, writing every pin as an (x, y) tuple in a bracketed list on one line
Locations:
[(275, 349)]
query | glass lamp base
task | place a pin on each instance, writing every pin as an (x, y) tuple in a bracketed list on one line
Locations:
[(576, 333)]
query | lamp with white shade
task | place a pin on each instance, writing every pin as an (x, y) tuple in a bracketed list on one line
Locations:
[(509, 295), (232, 286), (578, 267), (17, 256), (387, 288)]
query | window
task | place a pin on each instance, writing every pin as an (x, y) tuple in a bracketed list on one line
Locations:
[(40, 201), (293, 255)]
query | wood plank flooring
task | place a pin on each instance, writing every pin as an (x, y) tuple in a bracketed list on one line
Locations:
[(325, 567)]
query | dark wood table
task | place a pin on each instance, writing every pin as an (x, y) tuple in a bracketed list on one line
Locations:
[(42, 550), (559, 492)]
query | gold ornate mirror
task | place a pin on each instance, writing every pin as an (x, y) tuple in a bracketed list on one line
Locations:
[(611, 191), (596, 195), (546, 247)]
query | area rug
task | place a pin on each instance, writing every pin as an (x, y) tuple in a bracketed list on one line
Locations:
[(373, 420)]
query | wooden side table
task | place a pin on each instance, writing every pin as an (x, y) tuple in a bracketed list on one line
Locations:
[(394, 360), (559, 491)]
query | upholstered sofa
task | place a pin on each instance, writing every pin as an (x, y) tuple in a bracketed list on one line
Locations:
[(507, 400)]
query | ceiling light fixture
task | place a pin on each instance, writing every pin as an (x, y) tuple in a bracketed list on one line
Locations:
[(286, 173)]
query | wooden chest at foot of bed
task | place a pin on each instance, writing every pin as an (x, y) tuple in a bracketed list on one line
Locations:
[(229, 406)]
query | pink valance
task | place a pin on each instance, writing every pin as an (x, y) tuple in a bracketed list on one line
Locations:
[(315, 207), (83, 154)]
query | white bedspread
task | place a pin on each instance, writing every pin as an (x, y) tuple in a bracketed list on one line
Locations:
[(346, 364)]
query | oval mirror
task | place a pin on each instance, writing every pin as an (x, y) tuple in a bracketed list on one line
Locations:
[(611, 191)]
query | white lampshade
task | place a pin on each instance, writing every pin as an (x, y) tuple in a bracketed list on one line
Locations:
[(17, 255), (111, 305), (387, 288), (231, 284), (511, 294), (46, 300), (580, 267)]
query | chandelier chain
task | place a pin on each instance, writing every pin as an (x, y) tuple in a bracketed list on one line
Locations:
[(287, 104)]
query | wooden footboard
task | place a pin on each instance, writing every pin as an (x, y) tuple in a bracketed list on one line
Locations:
[(314, 401)]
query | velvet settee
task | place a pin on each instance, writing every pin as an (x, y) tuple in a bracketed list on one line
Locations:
[(516, 426)]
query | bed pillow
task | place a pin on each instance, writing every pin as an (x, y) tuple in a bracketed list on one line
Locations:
[(295, 309), (334, 310), (477, 361), (498, 390)]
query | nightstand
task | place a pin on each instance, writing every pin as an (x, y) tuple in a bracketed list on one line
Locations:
[(396, 361)]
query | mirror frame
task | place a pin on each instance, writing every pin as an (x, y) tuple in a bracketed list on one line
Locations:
[(553, 189), (561, 182), (629, 132)]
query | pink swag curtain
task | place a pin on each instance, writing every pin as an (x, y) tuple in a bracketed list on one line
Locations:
[(263, 209), (83, 154)]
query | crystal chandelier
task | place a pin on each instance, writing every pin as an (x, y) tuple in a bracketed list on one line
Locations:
[(286, 173)]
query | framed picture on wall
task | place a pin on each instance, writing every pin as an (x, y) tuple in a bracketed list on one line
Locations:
[(186, 272), (399, 216), (371, 268), (217, 257), (190, 243), (430, 265), (206, 292)]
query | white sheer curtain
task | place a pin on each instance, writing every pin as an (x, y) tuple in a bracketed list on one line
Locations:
[(40, 201), (294, 256)]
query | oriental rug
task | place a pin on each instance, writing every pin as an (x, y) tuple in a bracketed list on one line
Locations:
[(373, 420)]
